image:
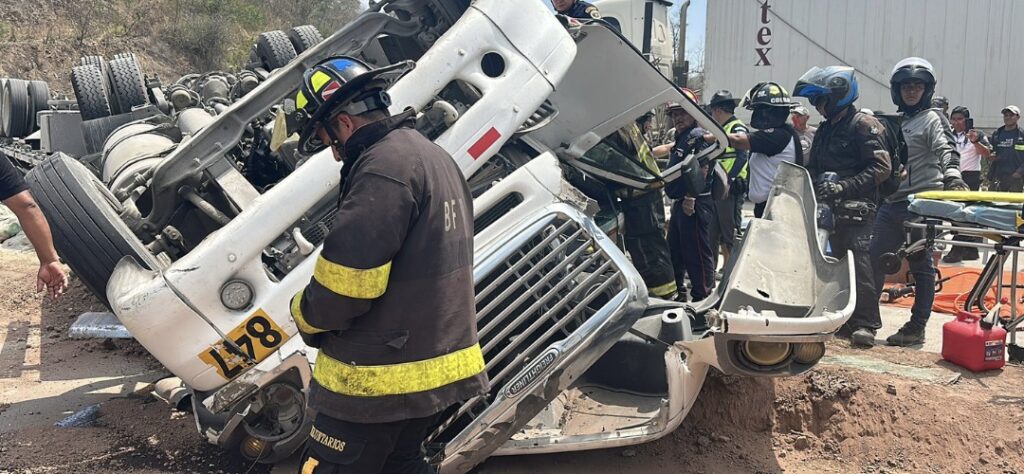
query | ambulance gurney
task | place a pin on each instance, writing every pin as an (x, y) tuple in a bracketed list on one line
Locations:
[(994, 216)]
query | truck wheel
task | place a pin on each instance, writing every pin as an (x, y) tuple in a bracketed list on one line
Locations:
[(97, 61), (274, 49), (17, 108), (3, 84), (304, 37), (84, 218), (89, 85), (39, 94), (127, 88)]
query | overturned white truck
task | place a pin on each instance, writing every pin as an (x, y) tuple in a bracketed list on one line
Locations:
[(199, 263)]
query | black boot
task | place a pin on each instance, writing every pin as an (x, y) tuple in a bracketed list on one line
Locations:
[(954, 256), (907, 336), (863, 337)]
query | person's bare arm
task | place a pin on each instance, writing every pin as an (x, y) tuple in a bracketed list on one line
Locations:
[(33, 223), (662, 151)]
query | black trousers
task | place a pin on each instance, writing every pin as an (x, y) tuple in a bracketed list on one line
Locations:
[(856, 237), (644, 235), (759, 209), (1008, 184), (973, 180), (341, 447), (693, 254)]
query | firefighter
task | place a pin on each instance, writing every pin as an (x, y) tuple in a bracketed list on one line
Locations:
[(728, 211), (852, 145), (390, 305), (643, 213), (576, 9), (774, 141), (693, 210)]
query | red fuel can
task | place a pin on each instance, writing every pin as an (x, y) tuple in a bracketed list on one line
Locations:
[(967, 344)]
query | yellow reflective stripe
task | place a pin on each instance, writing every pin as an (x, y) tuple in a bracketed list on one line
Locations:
[(301, 101), (352, 282), (310, 465), (300, 320), (664, 290), (397, 379), (1018, 147), (318, 80)]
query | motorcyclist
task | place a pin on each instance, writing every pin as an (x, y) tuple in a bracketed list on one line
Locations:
[(850, 144), (932, 163)]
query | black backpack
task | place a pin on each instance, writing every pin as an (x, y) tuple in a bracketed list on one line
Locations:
[(897, 147)]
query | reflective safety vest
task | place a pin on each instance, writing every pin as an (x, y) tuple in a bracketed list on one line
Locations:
[(729, 157), (643, 151)]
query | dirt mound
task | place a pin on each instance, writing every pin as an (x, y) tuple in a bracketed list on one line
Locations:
[(128, 435)]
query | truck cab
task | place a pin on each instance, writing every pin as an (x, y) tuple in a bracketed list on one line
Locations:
[(646, 25)]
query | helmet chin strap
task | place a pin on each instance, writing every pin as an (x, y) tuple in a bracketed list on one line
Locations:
[(339, 147)]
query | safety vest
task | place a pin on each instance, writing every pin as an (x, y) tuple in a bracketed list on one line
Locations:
[(729, 157), (642, 150)]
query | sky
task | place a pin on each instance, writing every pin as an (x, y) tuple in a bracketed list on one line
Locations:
[(696, 20)]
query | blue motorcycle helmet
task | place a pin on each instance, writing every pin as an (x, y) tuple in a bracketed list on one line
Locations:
[(835, 84)]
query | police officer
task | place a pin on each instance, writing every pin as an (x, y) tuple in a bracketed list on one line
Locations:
[(576, 9), (850, 144), (728, 211), (693, 210), (390, 304)]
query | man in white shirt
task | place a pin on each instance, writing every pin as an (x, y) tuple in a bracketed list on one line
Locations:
[(799, 117), (972, 145)]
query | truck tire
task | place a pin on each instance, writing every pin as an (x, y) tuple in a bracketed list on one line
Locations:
[(101, 63), (94, 60), (304, 37), (89, 85), (39, 94), (84, 219), (127, 88), (274, 49), (17, 109)]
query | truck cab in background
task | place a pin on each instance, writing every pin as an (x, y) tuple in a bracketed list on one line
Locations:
[(646, 25)]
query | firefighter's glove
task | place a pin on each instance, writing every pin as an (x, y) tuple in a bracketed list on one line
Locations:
[(689, 206), (954, 183), (830, 190)]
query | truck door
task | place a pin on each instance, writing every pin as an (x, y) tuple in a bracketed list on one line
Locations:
[(608, 87)]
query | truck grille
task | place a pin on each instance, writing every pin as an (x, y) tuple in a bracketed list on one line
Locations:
[(542, 115), (541, 293), (499, 209)]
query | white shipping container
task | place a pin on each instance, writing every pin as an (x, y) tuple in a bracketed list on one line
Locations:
[(975, 46)]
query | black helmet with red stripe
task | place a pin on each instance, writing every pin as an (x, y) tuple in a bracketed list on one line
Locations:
[(337, 85)]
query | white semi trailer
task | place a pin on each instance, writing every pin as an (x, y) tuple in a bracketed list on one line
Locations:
[(975, 46)]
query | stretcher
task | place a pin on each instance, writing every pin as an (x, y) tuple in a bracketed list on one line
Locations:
[(998, 217)]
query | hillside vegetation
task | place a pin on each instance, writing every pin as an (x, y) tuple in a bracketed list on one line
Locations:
[(43, 39)]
